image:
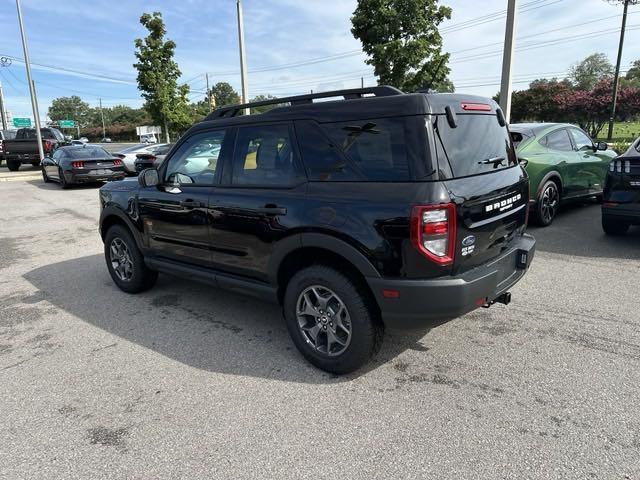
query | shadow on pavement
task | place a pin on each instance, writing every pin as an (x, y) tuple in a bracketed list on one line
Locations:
[(53, 185), (577, 231), (195, 324)]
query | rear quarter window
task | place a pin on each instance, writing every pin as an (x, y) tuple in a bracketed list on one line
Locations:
[(382, 149)]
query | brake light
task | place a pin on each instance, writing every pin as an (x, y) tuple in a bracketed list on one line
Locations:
[(117, 162), (620, 165), (476, 107), (48, 145), (433, 231), (77, 164)]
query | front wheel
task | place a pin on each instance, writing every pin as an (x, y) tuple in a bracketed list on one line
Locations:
[(125, 261), (331, 319), (614, 227), (13, 166), (548, 203)]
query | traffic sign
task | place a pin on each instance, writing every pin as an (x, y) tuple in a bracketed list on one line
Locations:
[(66, 124), (19, 122)]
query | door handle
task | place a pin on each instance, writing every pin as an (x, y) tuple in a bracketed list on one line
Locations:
[(272, 210), (191, 204)]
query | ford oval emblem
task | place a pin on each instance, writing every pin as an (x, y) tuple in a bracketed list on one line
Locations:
[(468, 241)]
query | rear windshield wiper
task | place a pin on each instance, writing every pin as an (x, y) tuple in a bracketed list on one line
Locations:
[(495, 161)]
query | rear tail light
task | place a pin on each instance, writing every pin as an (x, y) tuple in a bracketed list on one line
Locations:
[(117, 162), (620, 166), (77, 164), (433, 231), (48, 145)]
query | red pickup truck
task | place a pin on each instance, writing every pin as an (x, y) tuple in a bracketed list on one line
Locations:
[(24, 148)]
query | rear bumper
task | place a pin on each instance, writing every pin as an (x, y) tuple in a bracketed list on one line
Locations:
[(622, 212), (89, 177), (421, 303)]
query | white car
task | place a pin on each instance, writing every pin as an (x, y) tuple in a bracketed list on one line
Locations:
[(148, 138), (128, 155), (84, 139)]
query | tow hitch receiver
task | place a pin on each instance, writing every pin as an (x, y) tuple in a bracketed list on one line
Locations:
[(505, 299)]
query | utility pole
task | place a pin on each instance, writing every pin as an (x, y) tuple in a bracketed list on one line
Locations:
[(361, 82), (243, 60), (36, 97), (32, 92), (3, 111), (104, 132), (206, 76), (507, 59), (616, 78)]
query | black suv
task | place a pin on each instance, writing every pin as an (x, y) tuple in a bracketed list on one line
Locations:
[(371, 209), (621, 197)]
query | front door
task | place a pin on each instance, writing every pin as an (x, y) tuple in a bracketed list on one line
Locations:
[(175, 213), (593, 169), (259, 200)]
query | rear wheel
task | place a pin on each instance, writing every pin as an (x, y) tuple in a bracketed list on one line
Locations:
[(63, 180), (13, 166), (548, 203), (126, 263), (614, 227), (45, 177), (331, 319)]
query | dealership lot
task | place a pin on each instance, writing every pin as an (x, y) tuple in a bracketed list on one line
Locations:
[(193, 382)]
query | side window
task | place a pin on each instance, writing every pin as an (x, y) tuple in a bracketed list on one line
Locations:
[(323, 161), (377, 147), (559, 140), (582, 141), (265, 156), (57, 155), (196, 160)]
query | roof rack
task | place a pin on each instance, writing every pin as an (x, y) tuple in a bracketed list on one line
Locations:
[(348, 94)]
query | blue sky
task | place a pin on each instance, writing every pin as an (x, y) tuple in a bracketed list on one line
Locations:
[(96, 37)]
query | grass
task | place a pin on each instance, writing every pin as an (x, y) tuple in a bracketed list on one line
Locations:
[(623, 134)]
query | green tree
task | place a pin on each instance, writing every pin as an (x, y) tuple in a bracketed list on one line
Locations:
[(158, 74), (264, 108), (224, 94), (402, 41), (590, 71), (632, 78), (70, 108)]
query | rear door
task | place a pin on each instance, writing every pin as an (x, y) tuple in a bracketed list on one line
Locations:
[(260, 197), (175, 214), (561, 148), (485, 182)]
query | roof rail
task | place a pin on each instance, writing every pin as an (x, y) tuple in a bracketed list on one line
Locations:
[(349, 94)]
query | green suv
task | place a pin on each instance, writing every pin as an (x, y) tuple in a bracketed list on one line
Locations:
[(563, 163)]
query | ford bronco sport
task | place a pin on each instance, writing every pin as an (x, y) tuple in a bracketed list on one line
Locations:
[(367, 210)]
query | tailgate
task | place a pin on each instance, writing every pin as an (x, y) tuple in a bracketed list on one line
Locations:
[(491, 209)]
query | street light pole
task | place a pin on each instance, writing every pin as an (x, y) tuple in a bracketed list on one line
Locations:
[(243, 61), (616, 78), (3, 113), (32, 92), (104, 132), (507, 60)]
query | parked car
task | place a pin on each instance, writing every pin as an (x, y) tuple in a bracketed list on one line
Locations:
[(382, 209), (24, 147), (105, 140), (5, 135), (84, 139), (563, 164), (81, 164), (621, 202), (152, 159), (128, 155), (148, 138), (77, 142)]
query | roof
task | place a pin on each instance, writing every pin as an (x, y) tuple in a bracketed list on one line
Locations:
[(535, 128), (345, 105)]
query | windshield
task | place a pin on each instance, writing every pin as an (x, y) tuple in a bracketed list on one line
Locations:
[(87, 152), (479, 144)]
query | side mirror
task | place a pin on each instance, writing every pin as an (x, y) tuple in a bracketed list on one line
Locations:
[(602, 146), (148, 177), (523, 162)]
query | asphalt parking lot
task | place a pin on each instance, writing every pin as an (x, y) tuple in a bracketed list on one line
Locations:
[(186, 381)]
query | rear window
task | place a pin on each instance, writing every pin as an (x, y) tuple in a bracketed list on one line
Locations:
[(518, 138), (86, 152), (479, 144)]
